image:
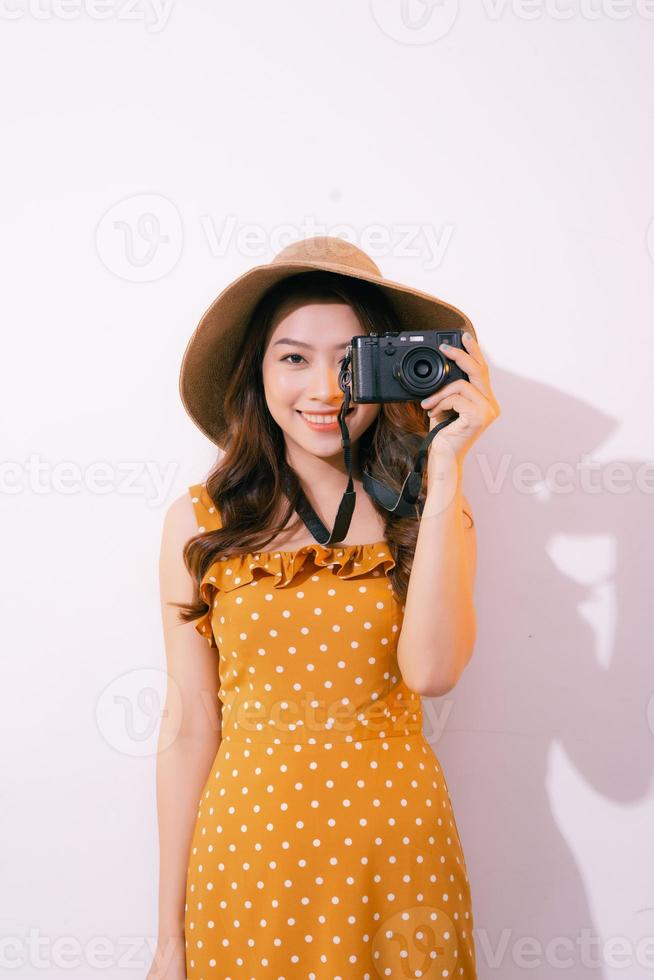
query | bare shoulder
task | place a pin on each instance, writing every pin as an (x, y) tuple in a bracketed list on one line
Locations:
[(179, 526), (180, 519)]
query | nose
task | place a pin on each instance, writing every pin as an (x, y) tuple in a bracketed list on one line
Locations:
[(324, 387)]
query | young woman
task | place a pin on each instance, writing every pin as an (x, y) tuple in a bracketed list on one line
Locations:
[(306, 828)]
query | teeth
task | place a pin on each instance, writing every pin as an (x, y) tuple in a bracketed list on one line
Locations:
[(320, 419)]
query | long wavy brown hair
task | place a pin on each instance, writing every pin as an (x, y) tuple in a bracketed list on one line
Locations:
[(247, 484)]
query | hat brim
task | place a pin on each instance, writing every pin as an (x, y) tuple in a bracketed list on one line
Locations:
[(213, 349)]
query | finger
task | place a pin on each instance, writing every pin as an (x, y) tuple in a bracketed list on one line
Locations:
[(471, 355), (465, 388), (477, 374), (459, 403), (475, 351)]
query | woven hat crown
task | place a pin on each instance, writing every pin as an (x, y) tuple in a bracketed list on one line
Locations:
[(335, 251)]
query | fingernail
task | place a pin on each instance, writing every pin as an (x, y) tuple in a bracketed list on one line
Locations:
[(445, 346), (467, 335)]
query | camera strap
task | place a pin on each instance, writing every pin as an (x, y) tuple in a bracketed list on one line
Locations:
[(404, 505)]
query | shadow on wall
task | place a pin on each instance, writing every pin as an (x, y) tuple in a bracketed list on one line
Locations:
[(545, 685)]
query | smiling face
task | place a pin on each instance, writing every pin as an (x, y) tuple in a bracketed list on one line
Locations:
[(303, 356)]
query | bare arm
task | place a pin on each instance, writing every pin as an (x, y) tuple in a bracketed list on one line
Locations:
[(439, 627), (191, 727)]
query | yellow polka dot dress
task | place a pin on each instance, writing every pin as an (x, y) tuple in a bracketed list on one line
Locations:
[(325, 846)]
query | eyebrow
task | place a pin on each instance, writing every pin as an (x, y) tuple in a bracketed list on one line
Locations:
[(301, 343)]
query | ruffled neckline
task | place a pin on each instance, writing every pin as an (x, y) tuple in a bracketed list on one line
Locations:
[(344, 561), (316, 546)]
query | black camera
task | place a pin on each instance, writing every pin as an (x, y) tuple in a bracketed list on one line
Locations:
[(402, 366)]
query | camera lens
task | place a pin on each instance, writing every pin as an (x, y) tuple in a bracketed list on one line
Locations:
[(421, 370)]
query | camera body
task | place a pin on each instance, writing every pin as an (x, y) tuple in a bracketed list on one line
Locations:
[(402, 366)]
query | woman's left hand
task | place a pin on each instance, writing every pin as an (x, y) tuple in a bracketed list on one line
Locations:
[(473, 400)]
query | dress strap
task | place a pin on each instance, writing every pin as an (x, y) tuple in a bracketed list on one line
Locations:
[(206, 512)]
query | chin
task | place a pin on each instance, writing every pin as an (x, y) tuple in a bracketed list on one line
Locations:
[(325, 446), (321, 444)]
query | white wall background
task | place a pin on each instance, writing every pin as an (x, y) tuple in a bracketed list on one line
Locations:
[(502, 154)]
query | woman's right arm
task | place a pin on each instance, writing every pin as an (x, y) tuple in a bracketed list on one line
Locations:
[(189, 738)]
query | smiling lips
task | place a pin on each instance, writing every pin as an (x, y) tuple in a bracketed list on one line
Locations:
[(322, 421)]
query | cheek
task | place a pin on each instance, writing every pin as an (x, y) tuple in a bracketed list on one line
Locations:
[(368, 413), (280, 387)]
